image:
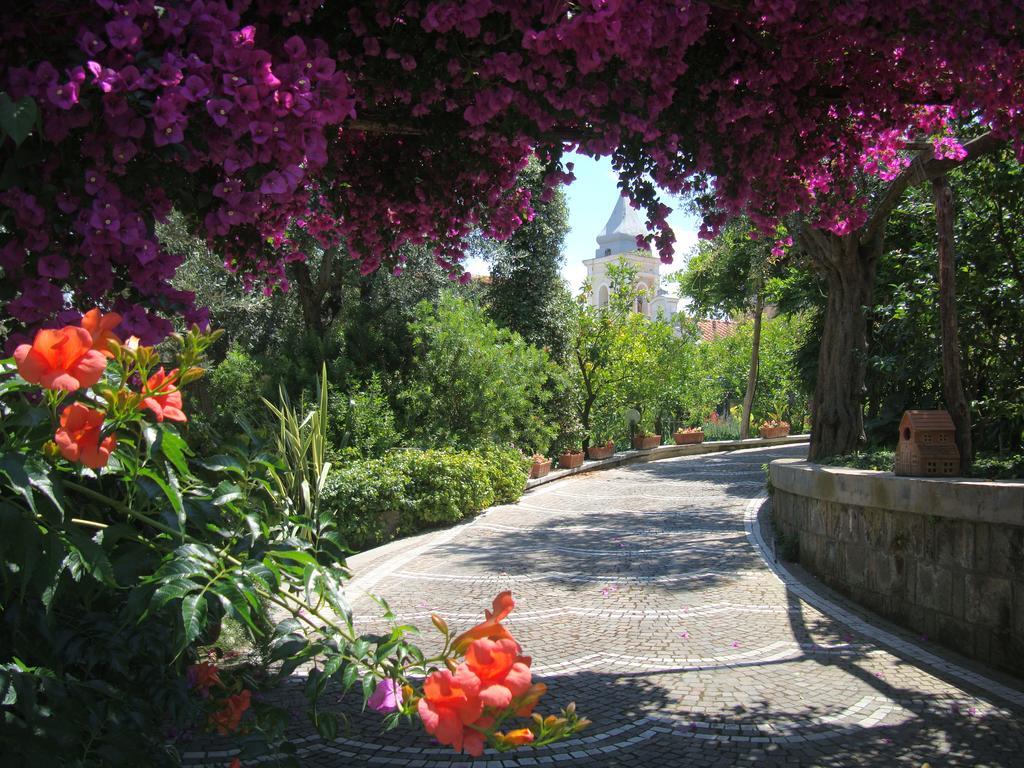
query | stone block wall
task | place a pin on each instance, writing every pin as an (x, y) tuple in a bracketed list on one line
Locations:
[(952, 569)]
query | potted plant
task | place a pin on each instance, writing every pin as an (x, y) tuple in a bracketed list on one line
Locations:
[(645, 441), (773, 428), (570, 458), (569, 441), (601, 450), (688, 435), (541, 466)]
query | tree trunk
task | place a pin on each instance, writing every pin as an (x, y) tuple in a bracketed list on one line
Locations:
[(755, 360), (588, 403), (952, 377), (837, 410)]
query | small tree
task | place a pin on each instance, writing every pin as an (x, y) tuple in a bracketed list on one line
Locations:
[(598, 342), (728, 275)]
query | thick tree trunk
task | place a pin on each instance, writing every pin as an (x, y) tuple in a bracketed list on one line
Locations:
[(837, 410), (952, 377), (755, 360)]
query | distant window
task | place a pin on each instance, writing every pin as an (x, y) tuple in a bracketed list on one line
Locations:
[(602, 296), (607, 251)]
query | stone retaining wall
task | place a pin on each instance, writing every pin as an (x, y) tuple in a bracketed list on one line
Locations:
[(943, 557), (666, 452)]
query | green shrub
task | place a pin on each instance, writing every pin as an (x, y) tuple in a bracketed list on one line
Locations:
[(405, 491), (507, 468), (233, 384), (986, 466), (444, 486), (471, 382), (368, 499), (879, 459), (724, 429), (995, 466), (363, 421)]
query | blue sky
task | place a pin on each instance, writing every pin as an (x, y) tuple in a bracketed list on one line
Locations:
[(591, 199)]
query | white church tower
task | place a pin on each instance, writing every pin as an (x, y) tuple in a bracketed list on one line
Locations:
[(618, 240)]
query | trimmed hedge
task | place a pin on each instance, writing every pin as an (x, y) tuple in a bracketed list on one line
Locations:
[(409, 490)]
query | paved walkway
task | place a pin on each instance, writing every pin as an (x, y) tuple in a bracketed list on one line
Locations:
[(645, 594)]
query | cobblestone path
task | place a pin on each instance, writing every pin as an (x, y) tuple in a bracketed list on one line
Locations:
[(647, 595)]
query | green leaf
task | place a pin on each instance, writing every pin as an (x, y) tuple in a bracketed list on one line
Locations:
[(13, 466), (175, 449), (369, 684), (327, 725), (226, 493), (39, 476), (170, 491), (150, 436), (87, 555), (170, 590), (17, 117), (349, 677), (222, 463), (193, 614)]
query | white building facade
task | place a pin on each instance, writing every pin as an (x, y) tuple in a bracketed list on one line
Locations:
[(618, 241)]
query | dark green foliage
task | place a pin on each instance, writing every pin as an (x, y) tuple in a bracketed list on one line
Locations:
[(472, 382), (111, 580), (905, 366), (880, 460), (526, 290), (726, 274), (377, 335), (367, 499), (362, 423)]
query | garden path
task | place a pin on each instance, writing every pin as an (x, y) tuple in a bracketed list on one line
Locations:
[(647, 594)]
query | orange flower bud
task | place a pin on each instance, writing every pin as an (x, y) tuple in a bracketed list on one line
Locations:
[(192, 374), (517, 737), (441, 624)]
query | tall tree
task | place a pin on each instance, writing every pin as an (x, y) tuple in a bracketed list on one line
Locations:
[(952, 378), (848, 262), (526, 289), (905, 361)]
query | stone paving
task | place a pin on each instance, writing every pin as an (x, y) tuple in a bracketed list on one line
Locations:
[(647, 595)]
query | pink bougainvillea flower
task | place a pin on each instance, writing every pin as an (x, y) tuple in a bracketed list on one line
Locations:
[(491, 626), (162, 398), (386, 698), (101, 328), (61, 359), (79, 436), (450, 703)]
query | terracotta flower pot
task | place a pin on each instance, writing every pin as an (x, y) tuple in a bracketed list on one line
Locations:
[(646, 442), (769, 433), (596, 452), (570, 459), (691, 437), (539, 468)]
